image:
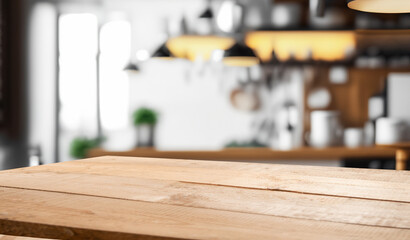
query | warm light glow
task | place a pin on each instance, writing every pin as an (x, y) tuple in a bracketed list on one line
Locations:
[(240, 61), (164, 58), (381, 6), (321, 45), (192, 47)]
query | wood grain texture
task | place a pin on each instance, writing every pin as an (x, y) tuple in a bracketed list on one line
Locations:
[(275, 203), (145, 198), (138, 219), (6, 237), (358, 183), (254, 154)]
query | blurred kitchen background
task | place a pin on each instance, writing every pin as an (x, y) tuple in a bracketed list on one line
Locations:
[(115, 76)]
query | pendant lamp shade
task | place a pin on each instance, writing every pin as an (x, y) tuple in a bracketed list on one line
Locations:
[(207, 14), (193, 46), (131, 67), (380, 6), (240, 55), (162, 52)]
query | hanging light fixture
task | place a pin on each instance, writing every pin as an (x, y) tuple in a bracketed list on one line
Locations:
[(380, 6), (240, 55), (208, 13), (163, 53), (199, 45), (323, 45), (204, 25), (192, 46), (131, 68)]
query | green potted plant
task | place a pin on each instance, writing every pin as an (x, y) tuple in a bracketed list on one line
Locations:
[(145, 120), (80, 146)]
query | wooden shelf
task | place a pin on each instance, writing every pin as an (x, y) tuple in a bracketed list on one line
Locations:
[(256, 154), (399, 145)]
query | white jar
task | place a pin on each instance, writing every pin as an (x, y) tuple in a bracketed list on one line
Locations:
[(353, 137), (390, 130)]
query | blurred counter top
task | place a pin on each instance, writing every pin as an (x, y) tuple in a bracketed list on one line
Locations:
[(256, 154)]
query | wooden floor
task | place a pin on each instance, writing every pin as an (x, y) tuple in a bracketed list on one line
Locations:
[(145, 198)]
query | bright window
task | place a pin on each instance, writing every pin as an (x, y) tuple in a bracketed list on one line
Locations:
[(115, 40), (78, 47)]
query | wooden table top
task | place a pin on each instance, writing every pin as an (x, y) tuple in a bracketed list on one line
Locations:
[(146, 198), (256, 154), (4, 237)]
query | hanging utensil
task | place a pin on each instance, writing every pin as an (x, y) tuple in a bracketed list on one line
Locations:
[(246, 96)]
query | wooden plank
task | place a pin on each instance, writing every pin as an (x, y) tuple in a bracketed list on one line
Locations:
[(346, 182), (275, 203), (67, 215), (254, 154)]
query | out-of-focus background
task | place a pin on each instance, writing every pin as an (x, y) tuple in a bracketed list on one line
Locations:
[(87, 78)]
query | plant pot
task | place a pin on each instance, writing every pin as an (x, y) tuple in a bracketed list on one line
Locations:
[(145, 135)]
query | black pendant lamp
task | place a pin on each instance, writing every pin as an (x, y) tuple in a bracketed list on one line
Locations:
[(163, 52), (240, 55), (208, 13), (131, 67)]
